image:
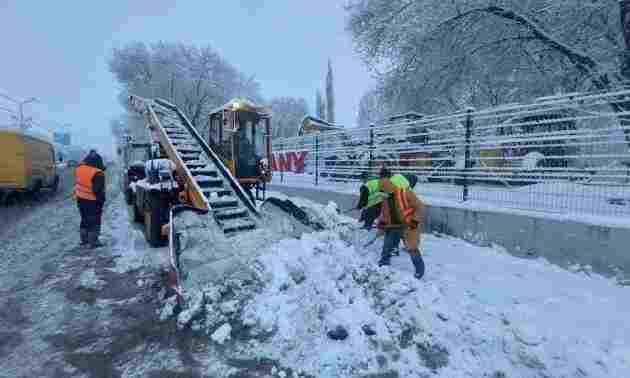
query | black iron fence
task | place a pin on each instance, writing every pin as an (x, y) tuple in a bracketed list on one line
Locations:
[(567, 154)]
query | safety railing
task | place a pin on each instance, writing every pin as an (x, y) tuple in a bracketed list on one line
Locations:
[(568, 153)]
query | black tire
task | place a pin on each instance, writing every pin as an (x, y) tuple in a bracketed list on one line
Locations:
[(129, 196), (55, 186), (138, 216), (37, 187), (153, 228)]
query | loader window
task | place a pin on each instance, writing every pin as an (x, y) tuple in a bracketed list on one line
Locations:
[(245, 143), (259, 138)]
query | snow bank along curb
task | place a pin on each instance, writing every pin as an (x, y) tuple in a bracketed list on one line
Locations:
[(563, 242), (539, 201), (478, 312)]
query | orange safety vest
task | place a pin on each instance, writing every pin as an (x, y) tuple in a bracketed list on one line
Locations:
[(83, 176), (403, 205), (396, 209)]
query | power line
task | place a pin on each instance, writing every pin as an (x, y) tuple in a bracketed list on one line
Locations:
[(24, 122)]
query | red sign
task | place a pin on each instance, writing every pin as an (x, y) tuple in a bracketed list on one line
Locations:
[(289, 161)]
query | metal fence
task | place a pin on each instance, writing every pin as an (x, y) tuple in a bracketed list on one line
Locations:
[(567, 154)]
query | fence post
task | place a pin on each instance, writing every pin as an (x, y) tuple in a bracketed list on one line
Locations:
[(281, 168), (316, 160), (370, 162), (467, 162)]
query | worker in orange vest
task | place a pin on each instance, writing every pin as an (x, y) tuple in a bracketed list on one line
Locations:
[(401, 217), (89, 191)]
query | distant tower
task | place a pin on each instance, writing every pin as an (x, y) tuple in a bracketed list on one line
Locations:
[(330, 95), (320, 106)]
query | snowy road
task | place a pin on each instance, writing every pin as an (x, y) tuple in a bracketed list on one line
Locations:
[(18, 208), (68, 312)]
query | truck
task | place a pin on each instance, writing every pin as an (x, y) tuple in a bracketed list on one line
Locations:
[(27, 164)]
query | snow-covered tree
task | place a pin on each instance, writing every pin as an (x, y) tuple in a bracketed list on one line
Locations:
[(320, 105), (288, 112), (372, 109), (330, 95), (435, 56), (195, 79)]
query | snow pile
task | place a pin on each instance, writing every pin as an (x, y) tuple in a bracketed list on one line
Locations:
[(222, 334), (320, 306), (480, 311)]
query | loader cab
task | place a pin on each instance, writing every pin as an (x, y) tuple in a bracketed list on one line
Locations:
[(240, 132)]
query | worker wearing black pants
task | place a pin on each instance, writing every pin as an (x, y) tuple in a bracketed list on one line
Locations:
[(90, 194), (91, 213), (390, 245)]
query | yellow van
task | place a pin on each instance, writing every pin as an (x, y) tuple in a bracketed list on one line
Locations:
[(27, 163)]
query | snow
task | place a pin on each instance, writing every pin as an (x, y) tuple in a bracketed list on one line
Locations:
[(530, 161), (222, 334), (478, 311), (131, 250), (144, 184), (504, 314), (161, 165)]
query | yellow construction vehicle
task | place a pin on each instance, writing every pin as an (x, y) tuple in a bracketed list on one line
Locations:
[(240, 133), (183, 169), (209, 173)]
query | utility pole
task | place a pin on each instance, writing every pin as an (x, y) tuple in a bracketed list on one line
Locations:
[(21, 108)]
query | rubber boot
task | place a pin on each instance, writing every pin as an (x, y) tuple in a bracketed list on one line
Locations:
[(93, 239), (385, 259), (84, 236), (418, 263)]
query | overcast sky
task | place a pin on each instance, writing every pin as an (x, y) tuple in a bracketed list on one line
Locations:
[(57, 51)]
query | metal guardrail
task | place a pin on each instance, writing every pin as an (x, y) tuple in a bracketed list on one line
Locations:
[(567, 153)]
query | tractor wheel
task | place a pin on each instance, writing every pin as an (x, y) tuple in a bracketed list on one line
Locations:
[(153, 228), (128, 196)]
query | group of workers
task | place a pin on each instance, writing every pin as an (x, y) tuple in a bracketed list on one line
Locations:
[(390, 201)]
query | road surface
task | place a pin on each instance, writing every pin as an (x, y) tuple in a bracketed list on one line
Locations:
[(67, 312)]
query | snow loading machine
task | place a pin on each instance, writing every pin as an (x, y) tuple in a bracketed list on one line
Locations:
[(195, 194)]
